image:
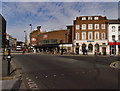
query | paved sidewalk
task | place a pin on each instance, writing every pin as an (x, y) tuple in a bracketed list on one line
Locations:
[(11, 82)]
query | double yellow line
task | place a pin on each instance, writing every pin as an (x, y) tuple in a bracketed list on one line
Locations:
[(112, 65)]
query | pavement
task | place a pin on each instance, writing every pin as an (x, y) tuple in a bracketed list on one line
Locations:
[(44, 71), (12, 82)]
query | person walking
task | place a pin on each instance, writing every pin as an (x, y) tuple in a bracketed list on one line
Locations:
[(23, 50)]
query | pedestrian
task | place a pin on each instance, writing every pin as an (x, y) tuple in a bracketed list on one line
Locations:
[(23, 50), (86, 51), (95, 51)]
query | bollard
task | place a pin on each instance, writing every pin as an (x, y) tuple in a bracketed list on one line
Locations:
[(9, 59)]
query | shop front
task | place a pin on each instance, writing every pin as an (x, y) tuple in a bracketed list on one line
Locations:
[(114, 48)]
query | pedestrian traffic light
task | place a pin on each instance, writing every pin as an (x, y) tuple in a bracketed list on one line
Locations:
[(3, 23)]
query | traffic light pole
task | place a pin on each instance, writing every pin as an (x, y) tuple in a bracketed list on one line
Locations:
[(9, 59)]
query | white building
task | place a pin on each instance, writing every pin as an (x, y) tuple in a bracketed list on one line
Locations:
[(114, 36)]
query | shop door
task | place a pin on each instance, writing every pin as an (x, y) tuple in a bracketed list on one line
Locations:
[(77, 50), (104, 50)]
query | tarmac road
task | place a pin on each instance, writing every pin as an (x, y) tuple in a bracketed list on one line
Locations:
[(58, 72)]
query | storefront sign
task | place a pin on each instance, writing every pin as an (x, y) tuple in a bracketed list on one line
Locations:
[(33, 39), (113, 43), (90, 41), (45, 36)]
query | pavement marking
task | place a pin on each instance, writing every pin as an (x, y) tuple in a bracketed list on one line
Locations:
[(46, 76), (36, 77), (54, 75), (113, 64), (29, 80), (83, 72)]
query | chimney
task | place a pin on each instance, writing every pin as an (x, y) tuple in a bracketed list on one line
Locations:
[(38, 28)]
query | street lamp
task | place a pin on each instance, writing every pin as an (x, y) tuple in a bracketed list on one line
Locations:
[(31, 26)]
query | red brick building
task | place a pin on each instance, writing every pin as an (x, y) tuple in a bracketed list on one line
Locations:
[(52, 40), (90, 33)]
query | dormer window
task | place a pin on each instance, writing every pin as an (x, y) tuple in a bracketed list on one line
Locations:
[(83, 18), (89, 18), (95, 18)]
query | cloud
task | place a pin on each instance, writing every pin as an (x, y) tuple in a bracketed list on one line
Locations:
[(50, 15), (60, 0)]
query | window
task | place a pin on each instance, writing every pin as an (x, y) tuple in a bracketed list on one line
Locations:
[(119, 28), (96, 26), (77, 27), (90, 35), (119, 37), (89, 18), (103, 26), (113, 37), (54, 41), (83, 18), (95, 18), (84, 35), (96, 35), (77, 35), (113, 28), (89, 26), (103, 36), (45, 41), (83, 26)]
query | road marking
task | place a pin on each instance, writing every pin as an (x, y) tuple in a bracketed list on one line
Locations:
[(54, 75), (113, 64), (46, 76)]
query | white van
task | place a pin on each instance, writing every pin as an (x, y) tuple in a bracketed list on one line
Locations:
[(18, 48)]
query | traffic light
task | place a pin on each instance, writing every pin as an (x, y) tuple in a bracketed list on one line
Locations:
[(3, 31)]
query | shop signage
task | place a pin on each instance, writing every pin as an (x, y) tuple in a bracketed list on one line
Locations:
[(113, 43), (33, 39), (90, 40), (45, 36)]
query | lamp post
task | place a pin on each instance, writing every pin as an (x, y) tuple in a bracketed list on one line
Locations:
[(31, 26)]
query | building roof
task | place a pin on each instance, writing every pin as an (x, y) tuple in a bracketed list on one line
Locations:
[(54, 31), (114, 21)]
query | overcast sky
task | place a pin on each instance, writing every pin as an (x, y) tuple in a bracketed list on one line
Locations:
[(50, 15)]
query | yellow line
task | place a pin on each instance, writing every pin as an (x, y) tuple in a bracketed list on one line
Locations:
[(111, 65)]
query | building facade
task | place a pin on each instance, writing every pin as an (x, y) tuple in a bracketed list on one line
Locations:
[(90, 33), (53, 40), (114, 37)]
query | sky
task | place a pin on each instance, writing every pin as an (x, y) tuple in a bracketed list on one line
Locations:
[(50, 15)]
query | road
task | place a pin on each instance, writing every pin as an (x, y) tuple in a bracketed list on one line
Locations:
[(67, 72)]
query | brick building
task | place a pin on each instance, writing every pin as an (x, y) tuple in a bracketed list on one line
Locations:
[(52, 40), (34, 36), (90, 33)]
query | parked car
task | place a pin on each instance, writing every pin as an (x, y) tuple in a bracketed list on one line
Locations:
[(18, 48)]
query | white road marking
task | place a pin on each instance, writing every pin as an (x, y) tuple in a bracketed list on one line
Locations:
[(54, 75), (46, 76), (29, 80), (36, 77), (83, 72)]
